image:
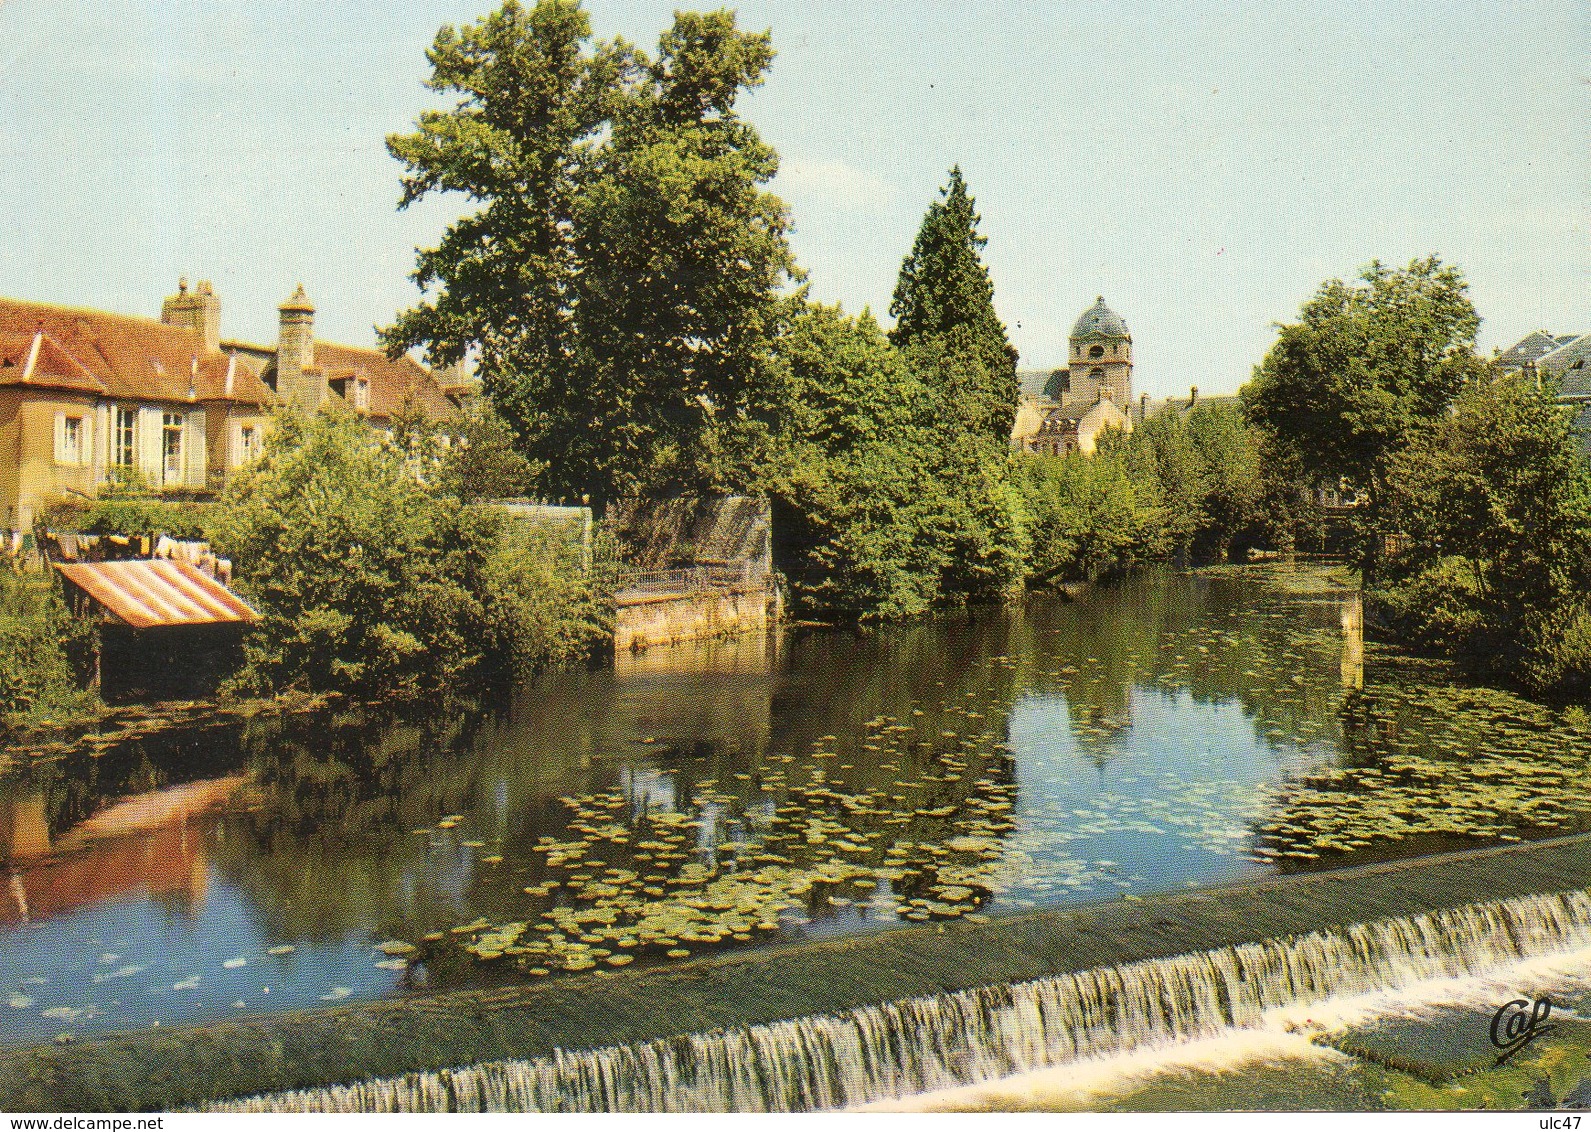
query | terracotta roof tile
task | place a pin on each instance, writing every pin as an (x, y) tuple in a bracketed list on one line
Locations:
[(392, 382), (126, 356), (135, 358), (52, 366)]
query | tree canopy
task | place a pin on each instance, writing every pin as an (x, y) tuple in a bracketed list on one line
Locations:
[(1495, 501), (880, 511), (1367, 366), (370, 582), (622, 279)]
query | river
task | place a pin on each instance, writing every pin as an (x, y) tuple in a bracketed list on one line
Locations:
[(1170, 731)]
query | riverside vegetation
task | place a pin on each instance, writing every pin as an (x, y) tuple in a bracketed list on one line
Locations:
[(638, 320)]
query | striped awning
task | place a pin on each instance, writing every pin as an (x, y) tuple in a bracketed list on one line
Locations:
[(157, 593)]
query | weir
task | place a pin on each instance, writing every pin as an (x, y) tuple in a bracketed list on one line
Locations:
[(420, 1037), (938, 1042)]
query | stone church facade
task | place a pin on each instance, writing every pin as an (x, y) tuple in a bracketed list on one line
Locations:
[(1067, 410)]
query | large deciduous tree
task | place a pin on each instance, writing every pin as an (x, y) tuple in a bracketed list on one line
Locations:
[(945, 319), (621, 280), (1496, 500), (1368, 366)]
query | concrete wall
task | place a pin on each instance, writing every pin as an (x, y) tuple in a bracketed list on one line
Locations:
[(222, 422), (642, 621)]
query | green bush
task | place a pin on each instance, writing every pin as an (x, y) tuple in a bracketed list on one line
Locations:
[(1558, 659), (1438, 609), (369, 583), (541, 606), (42, 649), (126, 506)]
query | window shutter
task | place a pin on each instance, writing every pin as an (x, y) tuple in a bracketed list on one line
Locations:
[(85, 439), (195, 451), (105, 423), (60, 438), (149, 456)]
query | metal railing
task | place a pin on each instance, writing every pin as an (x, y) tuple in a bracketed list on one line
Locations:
[(690, 579)]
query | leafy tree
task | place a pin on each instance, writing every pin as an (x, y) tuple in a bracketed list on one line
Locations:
[(1365, 369), (1495, 499), (481, 461), (879, 511), (1089, 516), (44, 651), (945, 318), (622, 280), (1219, 480)]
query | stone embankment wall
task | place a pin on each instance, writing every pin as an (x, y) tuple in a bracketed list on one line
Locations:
[(645, 620)]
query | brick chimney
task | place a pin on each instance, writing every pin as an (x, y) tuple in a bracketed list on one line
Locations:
[(298, 381), (198, 310)]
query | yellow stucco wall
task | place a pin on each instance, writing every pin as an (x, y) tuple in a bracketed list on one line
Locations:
[(30, 475), (28, 450)]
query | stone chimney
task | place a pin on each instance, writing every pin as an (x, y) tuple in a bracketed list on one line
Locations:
[(298, 381), (197, 310)]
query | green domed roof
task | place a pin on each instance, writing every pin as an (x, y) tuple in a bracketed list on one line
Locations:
[(1099, 321)]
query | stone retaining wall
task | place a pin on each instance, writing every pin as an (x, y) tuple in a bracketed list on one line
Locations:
[(643, 621)]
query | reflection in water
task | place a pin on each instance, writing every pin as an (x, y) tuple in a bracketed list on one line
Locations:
[(146, 843), (1353, 642), (683, 800)]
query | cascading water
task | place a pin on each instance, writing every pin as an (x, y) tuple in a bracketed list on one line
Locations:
[(923, 1044)]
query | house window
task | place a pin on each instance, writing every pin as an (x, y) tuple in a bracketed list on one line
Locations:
[(71, 440), (171, 448), (124, 448), (248, 443)]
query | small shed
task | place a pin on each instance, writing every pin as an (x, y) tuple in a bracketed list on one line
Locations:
[(167, 630)]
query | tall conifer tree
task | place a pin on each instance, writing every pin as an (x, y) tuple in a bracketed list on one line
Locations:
[(945, 318)]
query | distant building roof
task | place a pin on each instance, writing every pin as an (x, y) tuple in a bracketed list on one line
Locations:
[(1182, 406), (1530, 348), (392, 383), (1042, 383), (159, 593), (1570, 364), (1099, 321)]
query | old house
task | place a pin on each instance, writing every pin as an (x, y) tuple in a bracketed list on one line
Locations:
[(87, 396)]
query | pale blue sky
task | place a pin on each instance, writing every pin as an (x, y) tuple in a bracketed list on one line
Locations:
[(1204, 166)]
